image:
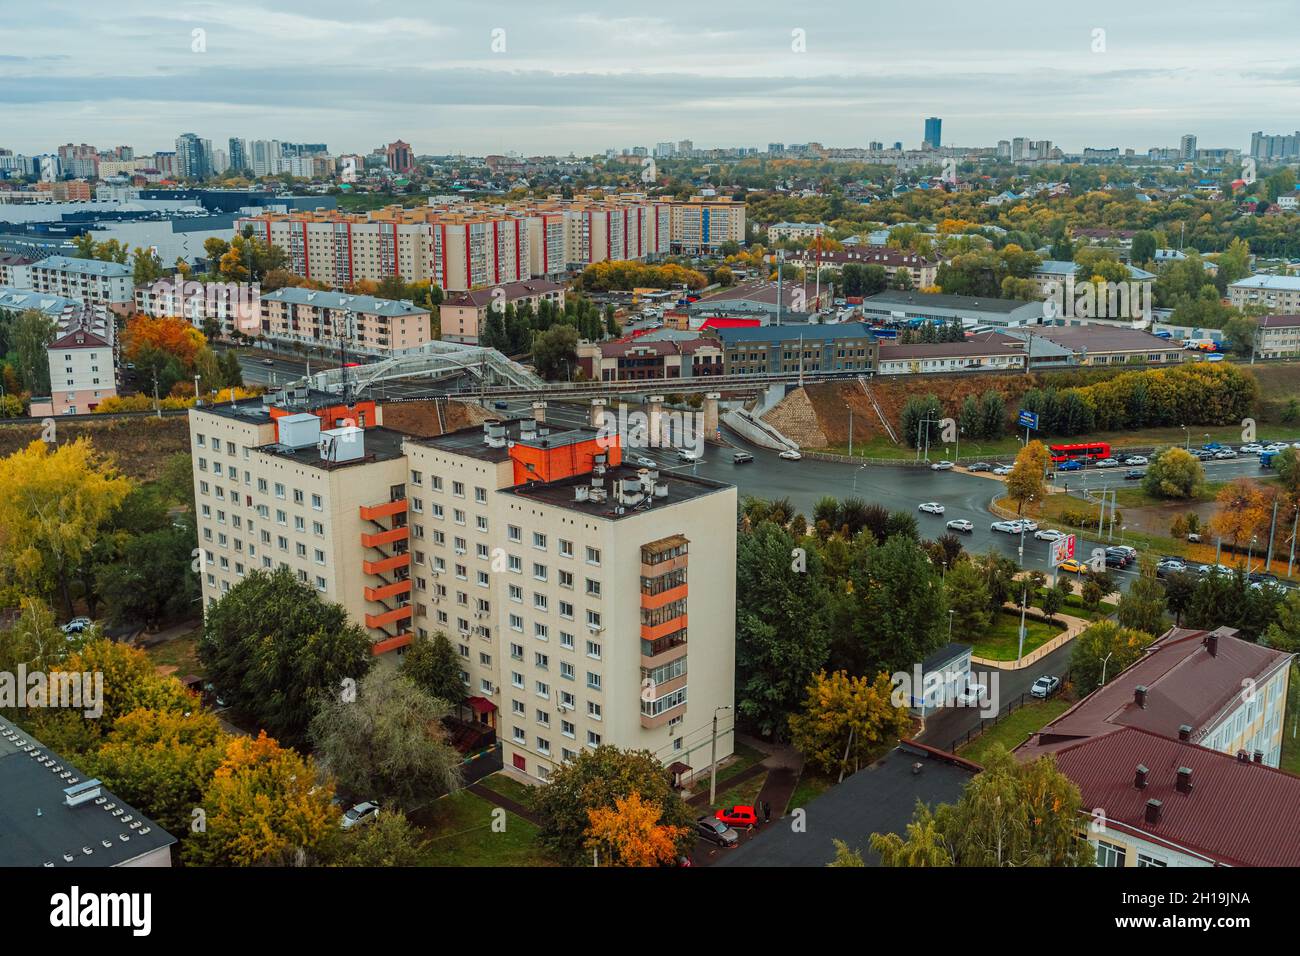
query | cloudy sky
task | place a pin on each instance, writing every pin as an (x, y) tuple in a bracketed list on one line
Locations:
[(583, 77)]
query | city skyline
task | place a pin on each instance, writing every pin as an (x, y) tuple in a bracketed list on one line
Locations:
[(580, 81)]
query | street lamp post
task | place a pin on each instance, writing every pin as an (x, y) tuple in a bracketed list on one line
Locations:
[(850, 408), (713, 756), (1104, 661), (1188, 445)]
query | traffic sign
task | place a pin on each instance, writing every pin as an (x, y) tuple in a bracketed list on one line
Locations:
[(1028, 419)]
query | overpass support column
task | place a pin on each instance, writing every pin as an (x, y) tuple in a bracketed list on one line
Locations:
[(654, 413), (597, 412), (539, 412), (711, 414)]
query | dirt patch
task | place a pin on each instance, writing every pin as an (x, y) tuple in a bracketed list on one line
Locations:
[(138, 447), (420, 419)]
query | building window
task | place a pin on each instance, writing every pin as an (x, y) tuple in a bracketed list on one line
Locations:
[(1108, 854)]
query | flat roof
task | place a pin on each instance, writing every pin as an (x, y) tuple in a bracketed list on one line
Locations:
[(38, 827), (938, 300), (367, 304), (806, 331), (379, 444), (680, 486), (1283, 283), (94, 267)]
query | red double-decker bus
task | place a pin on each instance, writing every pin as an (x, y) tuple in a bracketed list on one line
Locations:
[(1085, 450)]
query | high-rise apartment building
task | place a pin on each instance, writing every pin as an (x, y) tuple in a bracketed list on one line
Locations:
[(238, 154), (564, 578), (193, 157), (703, 224), (400, 157), (933, 132), (1187, 146)]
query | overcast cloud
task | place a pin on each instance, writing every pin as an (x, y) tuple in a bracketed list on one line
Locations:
[(584, 77)]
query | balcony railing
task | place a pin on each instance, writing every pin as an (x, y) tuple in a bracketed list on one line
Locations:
[(377, 538), (385, 565), (389, 617)]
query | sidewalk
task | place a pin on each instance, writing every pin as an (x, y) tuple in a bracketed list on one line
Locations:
[(491, 796)]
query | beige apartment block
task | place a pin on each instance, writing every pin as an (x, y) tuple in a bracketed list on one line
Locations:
[(567, 581)]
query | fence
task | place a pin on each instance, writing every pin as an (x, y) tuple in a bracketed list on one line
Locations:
[(1007, 711)]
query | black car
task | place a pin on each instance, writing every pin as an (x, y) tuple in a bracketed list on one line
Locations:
[(979, 466), (1262, 577), (1134, 475), (715, 831), (741, 458), (501, 405), (1116, 558)]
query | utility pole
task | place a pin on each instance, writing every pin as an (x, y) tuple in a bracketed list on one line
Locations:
[(713, 756), (156, 408), (1291, 563), (1272, 526), (1104, 661), (850, 408), (1024, 603)]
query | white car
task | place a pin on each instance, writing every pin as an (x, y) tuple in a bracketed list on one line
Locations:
[(941, 466), (76, 626), (644, 462), (962, 525), (688, 456), (1045, 686), (1251, 448), (1007, 527), (1002, 470), (972, 695), (930, 507), (1225, 453), (1048, 534), (362, 813), (1137, 460), (790, 455), (1028, 524), (1107, 463)]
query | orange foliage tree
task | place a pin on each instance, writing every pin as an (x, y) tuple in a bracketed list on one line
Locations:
[(1245, 510), (630, 834), (168, 333)]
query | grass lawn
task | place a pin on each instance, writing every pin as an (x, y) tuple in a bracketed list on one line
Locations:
[(520, 793), (1001, 641), (742, 794), (1290, 760), (811, 785), (1012, 730), (181, 652), (461, 834), (743, 758), (1074, 605)]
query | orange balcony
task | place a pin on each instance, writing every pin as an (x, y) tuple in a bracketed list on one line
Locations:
[(388, 590), (654, 632), (389, 617), (391, 643), (386, 510), (385, 537), (385, 565), (651, 601)]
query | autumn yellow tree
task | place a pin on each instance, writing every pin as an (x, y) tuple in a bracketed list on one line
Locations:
[(1244, 511), (630, 834), (264, 805), (54, 505), (1025, 483), (846, 720)]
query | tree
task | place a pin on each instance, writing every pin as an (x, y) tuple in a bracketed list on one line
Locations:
[(846, 720), (388, 742), (1244, 511), (391, 840), (1143, 249), (782, 626), (433, 665), (1107, 645), (555, 353), (1143, 607), (845, 856), (262, 806), (154, 581), (270, 644), (32, 332), (1174, 473), (1025, 483), (1179, 591), (630, 834), (1240, 332), (1011, 814), (161, 761), (968, 601), (33, 639), (55, 504), (597, 779), (1284, 633)]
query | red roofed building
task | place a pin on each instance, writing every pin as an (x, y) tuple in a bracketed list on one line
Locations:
[(1155, 801)]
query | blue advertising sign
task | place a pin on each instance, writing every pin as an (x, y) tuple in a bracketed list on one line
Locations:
[(1028, 419)]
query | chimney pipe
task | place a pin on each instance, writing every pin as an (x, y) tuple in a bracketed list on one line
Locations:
[(1259, 756), (1153, 811), (1185, 732), (1184, 784), (1212, 643), (1243, 756), (1140, 777), (1140, 696)]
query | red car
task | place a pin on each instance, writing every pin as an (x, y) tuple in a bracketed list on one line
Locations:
[(738, 816)]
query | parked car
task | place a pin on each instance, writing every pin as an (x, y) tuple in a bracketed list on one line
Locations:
[(360, 814), (1134, 475), (979, 466), (1251, 448), (1006, 527), (972, 695), (644, 462), (715, 831), (1116, 559), (1225, 453), (1107, 463), (76, 625), (790, 455), (501, 406), (941, 466), (1028, 524), (1073, 566), (738, 816), (1002, 470), (1168, 566), (962, 525), (1048, 534), (930, 507), (1045, 686), (1204, 455), (1072, 465)]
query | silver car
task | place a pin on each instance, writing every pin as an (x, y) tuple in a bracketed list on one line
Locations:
[(359, 815)]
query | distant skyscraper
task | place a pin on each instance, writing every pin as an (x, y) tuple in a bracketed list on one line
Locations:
[(238, 154), (193, 157), (264, 157), (933, 132), (1187, 147), (685, 148), (400, 157)]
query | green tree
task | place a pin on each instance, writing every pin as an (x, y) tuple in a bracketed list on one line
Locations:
[(1174, 473), (1107, 645), (433, 665), (968, 601), (845, 721), (32, 332), (1142, 608), (555, 354), (270, 645)]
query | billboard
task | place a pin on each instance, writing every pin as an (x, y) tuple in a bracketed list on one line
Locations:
[(1062, 549)]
